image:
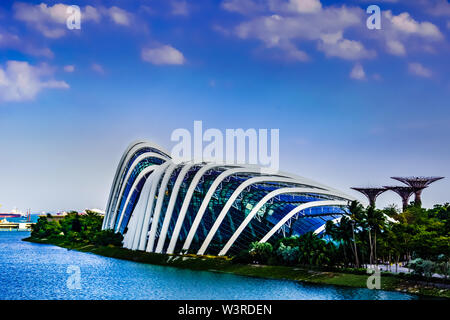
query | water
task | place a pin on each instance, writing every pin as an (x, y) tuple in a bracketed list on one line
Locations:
[(38, 271), (33, 218)]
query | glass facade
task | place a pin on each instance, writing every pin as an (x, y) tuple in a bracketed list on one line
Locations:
[(218, 227)]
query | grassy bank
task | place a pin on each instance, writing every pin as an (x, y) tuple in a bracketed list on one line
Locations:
[(218, 264)]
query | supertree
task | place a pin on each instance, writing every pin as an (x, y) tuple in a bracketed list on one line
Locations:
[(417, 184), (404, 193), (370, 193)]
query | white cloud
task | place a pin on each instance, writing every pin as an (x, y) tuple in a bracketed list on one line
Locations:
[(334, 45), (243, 6), (12, 41), (90, 14), (402, 33), (395, 47), (295, 6), (119, 16), (163, 55), (286, 24), (419, 70), (97, 68), (406, 24), (324, 26), (247, 7), (295, 54), (40, 12), (20, 81), (69, 68), (303, 26), (358, 72), (382, 1), (36, 51), (55, 84), (180, 8), (51, 20), (440, 8)]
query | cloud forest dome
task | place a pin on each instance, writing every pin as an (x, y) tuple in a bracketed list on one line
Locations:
[(209, 208)]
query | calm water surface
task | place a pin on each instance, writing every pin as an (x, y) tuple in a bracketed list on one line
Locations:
[(38, 271)]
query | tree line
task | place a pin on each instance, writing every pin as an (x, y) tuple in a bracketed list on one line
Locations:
[(417, 238), (76, 228)]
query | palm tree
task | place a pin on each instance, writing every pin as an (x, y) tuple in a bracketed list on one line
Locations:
[(313, 250), (375, 221), (344, 233), (356, 215)]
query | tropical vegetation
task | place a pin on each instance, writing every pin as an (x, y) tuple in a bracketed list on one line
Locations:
[(416, 238), (419, 237), (76, 228)]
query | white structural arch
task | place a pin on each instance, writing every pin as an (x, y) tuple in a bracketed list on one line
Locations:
[(125, 181), (173, 198), (155, 177), (299, 208), (322, 227), (260, 204), (159, 202), (133, 188), (152, 202), (140, 207), (126, 156), (230, 202), (113, 187), (118, 180), (212, 189), (186, 202)]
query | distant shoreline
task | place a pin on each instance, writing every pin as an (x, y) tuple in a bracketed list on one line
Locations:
[(389, 282)]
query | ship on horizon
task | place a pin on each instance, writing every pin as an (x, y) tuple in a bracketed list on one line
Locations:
[(16, 214), (10, 215)]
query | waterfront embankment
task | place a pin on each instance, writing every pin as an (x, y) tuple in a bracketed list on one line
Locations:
[(34, 271), (389, 282)]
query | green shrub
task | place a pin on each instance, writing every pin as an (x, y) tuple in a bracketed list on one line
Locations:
[(260, 252), (108, 237), (288, 242), (45, 229), (422, 267), (288, 255)]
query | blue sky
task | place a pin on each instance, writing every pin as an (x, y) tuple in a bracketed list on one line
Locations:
[(354, 106)]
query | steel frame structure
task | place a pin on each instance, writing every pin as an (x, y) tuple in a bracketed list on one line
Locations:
[(370, 193), (207, 208), (417, 184), (404, 192)]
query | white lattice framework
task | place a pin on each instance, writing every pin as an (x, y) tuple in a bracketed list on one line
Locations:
[(151, 195)]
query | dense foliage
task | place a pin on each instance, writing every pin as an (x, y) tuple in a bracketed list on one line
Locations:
[(417, 238), (76, 228)]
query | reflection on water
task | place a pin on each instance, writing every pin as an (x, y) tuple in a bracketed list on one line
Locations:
[(36, 271)]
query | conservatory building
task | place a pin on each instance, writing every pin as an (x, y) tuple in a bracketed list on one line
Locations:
[(209, 208)]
